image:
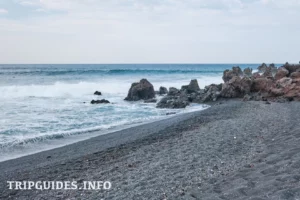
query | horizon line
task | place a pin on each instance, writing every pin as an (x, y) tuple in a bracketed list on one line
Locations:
[(225, 63)]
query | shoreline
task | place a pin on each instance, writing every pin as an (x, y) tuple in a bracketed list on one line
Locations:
[(208, 154), (87, 135), (163, 123)]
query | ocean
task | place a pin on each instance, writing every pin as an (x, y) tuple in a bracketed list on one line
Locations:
[(42, 106)]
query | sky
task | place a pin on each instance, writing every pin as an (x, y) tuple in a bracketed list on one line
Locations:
[(149, 31)]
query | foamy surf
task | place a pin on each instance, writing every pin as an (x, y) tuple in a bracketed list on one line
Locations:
[(46, 106)]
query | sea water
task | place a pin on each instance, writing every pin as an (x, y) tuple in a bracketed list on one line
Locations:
[(46, 106)]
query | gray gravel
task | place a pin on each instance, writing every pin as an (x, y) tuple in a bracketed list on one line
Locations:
[(233, 150)]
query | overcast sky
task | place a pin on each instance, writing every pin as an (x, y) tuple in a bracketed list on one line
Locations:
[(149, 31)]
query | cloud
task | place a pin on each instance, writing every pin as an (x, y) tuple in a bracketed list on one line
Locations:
[(3, 11), (151, 31)]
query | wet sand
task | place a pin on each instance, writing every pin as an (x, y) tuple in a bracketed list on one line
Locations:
[(233, 150)]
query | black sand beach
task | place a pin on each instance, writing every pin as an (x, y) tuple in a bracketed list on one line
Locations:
[(233, 150)]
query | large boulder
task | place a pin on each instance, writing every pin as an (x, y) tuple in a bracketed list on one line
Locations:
[(279, 86), (261, 85), (173, 91), (247, 72), (281, 73), (269, 71), (262, 68), (292, 92), (211, 93), (295, 75), (192, 87), (292, 68), (236, 87), (142, 90), (284, 82), (162, 90), (229, 74), (172, 102), (237, 70), (287, 88)]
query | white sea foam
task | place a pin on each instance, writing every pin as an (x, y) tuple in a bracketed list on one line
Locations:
[(33, 115)]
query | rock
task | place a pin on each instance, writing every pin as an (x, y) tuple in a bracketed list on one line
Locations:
[(284, 82), (273, 68), (292, 92), (97, 93), (281, 73), (172, 102), (192, 87), (237, 70), (212, 93), (286, 88), (268, 72), (228, 91), (248, 72), (142, 90), (256, 75), (295, 75), (236, 87), (162, 90), (173, 91), (292, 68), (262, 68), (99, 101), (150, 101), (261, 85), (229, 74)]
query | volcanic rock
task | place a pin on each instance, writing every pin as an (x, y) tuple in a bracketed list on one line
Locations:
[(141, 90)]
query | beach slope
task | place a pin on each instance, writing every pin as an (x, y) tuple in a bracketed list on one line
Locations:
[(233, 150)]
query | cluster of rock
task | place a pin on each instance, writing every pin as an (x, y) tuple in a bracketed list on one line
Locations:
[(269, 83), (102, 101), (191, 93)]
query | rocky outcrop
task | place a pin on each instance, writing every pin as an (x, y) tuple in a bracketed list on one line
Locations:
[(142, 90), (97, 93), (102, 101), (229, 89), (174, 99), (281, 73), (172, 102), (162, 90), (269, 84), (270, 71), (295, 75), (261, 84), (247, 72), (173, 91), (192, 87), (292, 68), (229, 74), (189, 94), (237, 84), (262, 68), (211, 93)]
